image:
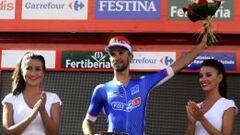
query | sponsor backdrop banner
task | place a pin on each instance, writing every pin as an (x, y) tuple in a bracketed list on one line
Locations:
[(7, 9), (228, 59), (110, 16), (10, 57), (144, 61), (127, 9), (152, 60), (100, 60), (54, 9), (85, 60)]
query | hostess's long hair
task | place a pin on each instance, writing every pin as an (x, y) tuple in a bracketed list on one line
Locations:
[(18, 82)]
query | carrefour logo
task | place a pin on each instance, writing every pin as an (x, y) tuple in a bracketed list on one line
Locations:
[(127, 9), (144, 60), (152, 60), (55, 9), (76, 5), (166, 60), (48, 5)]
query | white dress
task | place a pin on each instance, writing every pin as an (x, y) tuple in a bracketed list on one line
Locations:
[(214, 115), (21, 110)]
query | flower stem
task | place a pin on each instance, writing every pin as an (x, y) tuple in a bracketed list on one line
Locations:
[(208, 27)]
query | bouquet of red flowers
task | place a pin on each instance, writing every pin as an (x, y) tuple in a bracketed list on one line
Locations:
[(204, 10)]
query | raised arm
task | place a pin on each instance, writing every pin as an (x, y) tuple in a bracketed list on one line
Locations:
[(181, 63)]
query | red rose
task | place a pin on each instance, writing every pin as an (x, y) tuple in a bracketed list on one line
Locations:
[(203, 1), (201, 9)]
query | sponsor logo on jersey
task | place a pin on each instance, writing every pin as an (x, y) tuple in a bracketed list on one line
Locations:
[(117, 94), (134, 90), (118, 106), (127, 9), (127, 107)]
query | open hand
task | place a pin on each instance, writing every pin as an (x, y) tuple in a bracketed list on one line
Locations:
[(194, 111), (190, 117), (35, 109), (43, 99)]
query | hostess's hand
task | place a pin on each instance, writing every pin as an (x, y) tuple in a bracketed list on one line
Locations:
[(190, 117), (43, 98), (35, 109), (195, 111)]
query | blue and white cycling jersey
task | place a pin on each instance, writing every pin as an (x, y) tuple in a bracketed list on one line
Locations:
[(125, 105)]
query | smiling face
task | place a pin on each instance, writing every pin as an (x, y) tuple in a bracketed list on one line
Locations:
[(209, 78), (120, 58), (32, 72)]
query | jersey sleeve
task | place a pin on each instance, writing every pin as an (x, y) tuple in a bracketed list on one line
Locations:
[(156, 79), (96, 103)]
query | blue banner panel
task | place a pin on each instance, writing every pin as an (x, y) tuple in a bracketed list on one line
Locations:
[(228, 59), (127, 9)]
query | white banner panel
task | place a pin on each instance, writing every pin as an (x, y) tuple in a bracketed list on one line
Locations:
[(10, 57), (55, 9), (152, 60), (7, 9)]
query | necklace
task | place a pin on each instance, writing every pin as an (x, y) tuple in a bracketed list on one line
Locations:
[(211, 101), (207, 104)]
